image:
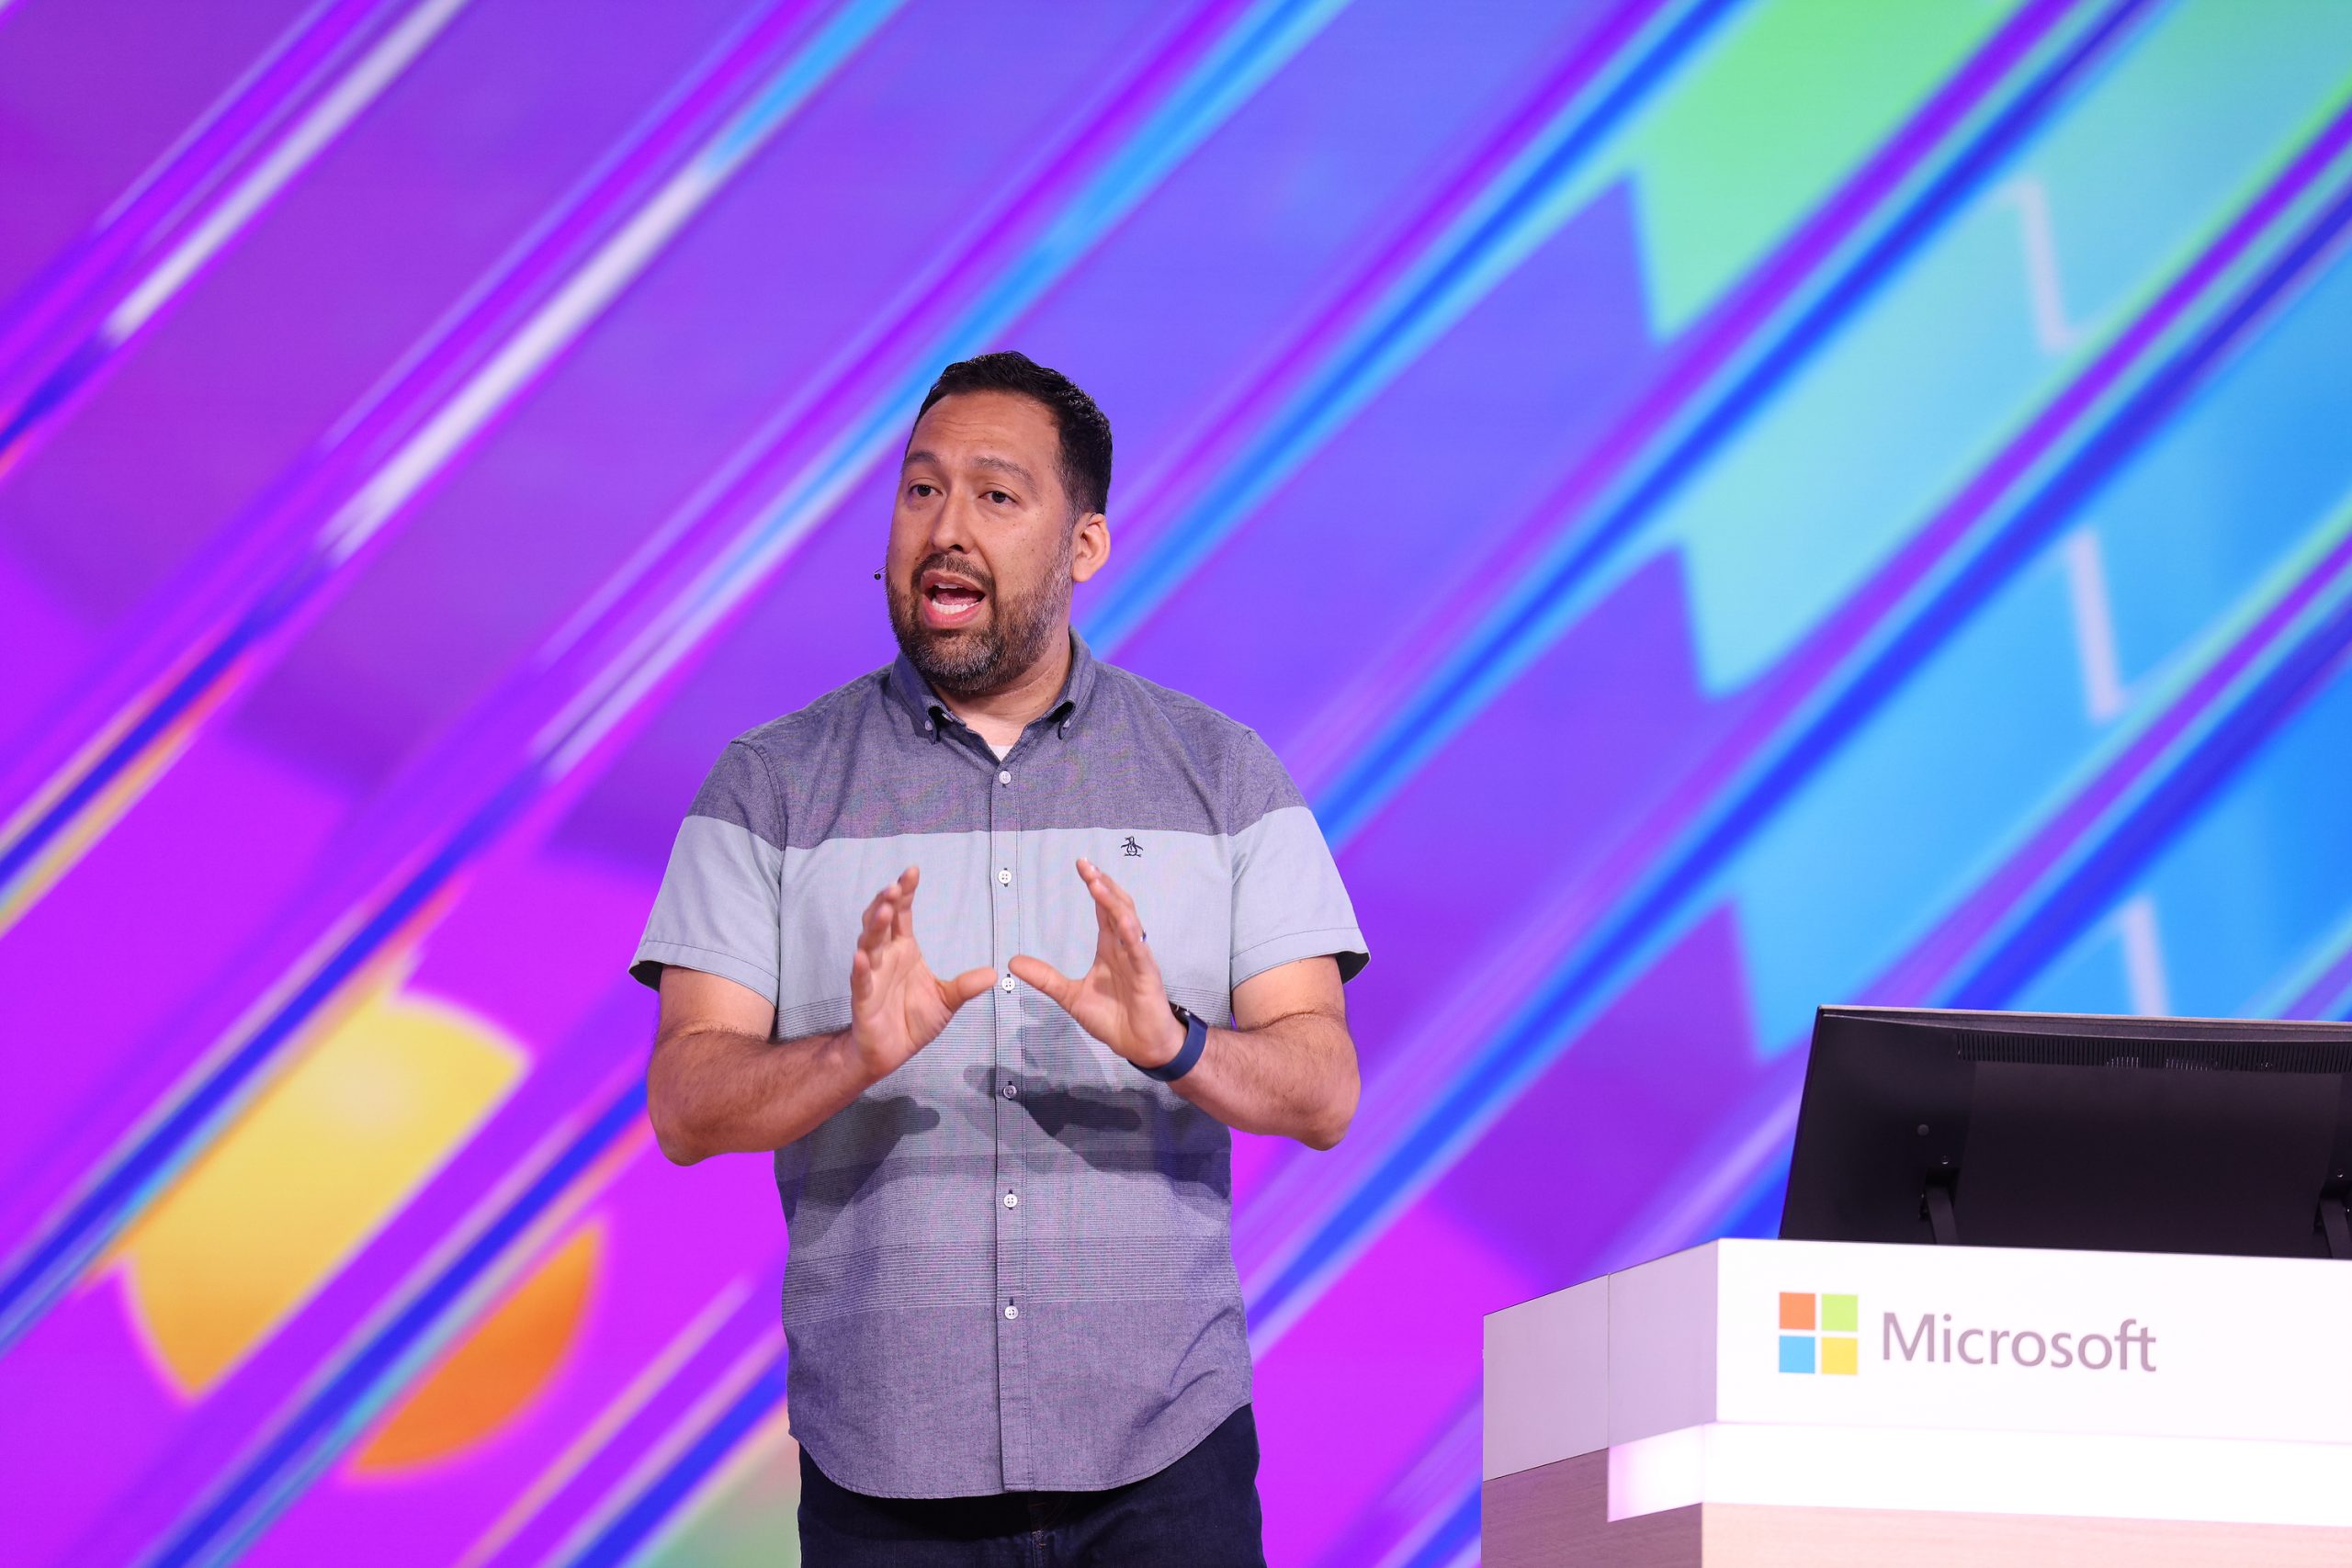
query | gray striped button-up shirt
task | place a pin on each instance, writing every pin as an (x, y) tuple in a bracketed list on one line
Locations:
[(1011, 1263)]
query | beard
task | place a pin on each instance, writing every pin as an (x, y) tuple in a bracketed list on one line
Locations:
[(1015, 632)]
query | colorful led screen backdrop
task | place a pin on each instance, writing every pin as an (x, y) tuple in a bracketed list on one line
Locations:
[(1723, 505)]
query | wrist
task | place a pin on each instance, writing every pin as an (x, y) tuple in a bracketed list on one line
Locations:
[(853, 1062), (1193, 1032), (1166, 1043)]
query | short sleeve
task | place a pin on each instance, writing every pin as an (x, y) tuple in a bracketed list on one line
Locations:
[(716, 909), (1288, 901)]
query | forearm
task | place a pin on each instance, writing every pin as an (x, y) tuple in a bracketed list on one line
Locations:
[(713, 1091), (1293, 1077)]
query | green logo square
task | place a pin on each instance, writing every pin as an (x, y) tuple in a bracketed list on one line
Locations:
[(1838, 1316)]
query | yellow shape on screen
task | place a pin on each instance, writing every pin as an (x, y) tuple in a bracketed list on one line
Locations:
[(315, 1166)]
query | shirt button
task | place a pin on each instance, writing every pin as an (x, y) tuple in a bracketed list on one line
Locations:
[(1013, 1199), (1010, 1090), (1004, 777), (1011, 1311), (1008, 982), (1004, 874)]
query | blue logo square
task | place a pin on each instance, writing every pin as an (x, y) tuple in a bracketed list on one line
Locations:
[(1796, 1352)]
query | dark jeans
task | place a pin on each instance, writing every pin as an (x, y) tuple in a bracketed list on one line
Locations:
[(1201, 1512)]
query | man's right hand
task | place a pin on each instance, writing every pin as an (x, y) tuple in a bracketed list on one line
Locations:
[(717, 1084), (896, 1006)]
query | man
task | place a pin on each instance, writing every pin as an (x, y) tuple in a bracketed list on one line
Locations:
[(1016, 1334)]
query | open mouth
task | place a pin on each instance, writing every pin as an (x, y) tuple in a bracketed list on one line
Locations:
[(949, 601)]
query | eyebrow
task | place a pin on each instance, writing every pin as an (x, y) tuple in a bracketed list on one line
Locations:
[(1002, 465)]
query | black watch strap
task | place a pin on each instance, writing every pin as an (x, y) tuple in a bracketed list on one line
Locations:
[(1196, 1039)]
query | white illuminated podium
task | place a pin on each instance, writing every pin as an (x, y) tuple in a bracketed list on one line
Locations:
[(1830, 1403)]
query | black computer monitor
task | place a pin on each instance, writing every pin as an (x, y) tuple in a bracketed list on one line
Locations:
[(2129, 1135)]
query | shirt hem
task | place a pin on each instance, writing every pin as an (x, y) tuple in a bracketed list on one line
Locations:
[(1224, 1413)]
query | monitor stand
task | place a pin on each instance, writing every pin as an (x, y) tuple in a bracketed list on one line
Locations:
[(2335, 1219), (1941, 1219)]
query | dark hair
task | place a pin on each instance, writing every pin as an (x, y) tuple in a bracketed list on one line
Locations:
[(1085, 432)]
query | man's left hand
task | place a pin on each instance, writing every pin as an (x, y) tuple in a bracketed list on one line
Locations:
[(1120, 999)]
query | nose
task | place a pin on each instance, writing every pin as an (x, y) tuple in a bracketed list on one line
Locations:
[(951, 524)]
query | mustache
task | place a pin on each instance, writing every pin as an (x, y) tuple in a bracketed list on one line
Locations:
[(953, 566)]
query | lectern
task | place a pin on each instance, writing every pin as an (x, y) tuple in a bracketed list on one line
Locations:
[(1835, 1403)]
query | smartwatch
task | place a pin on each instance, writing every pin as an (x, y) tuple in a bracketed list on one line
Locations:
[(1196, 1039)]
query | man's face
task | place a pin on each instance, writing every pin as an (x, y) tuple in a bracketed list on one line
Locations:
[(983, 546)]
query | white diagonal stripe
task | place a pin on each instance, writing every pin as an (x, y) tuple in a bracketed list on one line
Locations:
[(2143, 957), (379, 68), (2103, 692)]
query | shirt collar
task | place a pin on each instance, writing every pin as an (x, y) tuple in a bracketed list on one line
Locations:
[(933, 716)]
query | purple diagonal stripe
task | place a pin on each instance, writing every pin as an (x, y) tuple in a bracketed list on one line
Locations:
[(74, 285), (73, 334)]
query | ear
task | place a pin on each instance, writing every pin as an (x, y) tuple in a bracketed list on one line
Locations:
[(1091, 548)]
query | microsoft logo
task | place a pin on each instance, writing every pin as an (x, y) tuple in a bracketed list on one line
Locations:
[(1817, 1334)]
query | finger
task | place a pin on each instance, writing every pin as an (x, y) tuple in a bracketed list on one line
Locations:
[(966, 985), (861, 975), (1116, 919), (1112, 916), (903, 915), (877, 923), (1131, 957), (1106, 914), (1103, 886), (1094, 874), (1045, 978), (1086, 875)]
